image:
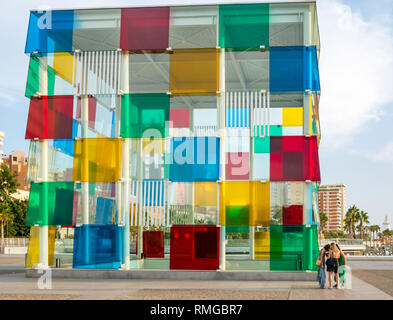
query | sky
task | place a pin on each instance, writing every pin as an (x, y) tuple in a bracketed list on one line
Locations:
[(356, 113)]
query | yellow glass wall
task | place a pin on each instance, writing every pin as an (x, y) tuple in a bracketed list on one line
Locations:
[(262, 245), (33, 252), (244, 203), (97, 160), (194, 71), (205, 194)]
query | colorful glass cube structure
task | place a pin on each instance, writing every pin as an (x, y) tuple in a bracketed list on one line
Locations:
[(182, 137)]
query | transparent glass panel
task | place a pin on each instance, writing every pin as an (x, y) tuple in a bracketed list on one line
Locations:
[(60, 164), (193, 27), (246, 70), (149, 72), (101, 203), (96, 30)]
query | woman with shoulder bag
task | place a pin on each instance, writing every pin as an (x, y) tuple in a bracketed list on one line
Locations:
[(321, 262)]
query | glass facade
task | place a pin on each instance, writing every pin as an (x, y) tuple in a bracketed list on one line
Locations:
[(179, 138)]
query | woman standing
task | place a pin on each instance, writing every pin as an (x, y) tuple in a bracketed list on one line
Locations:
[(321, 268), (332, 264)]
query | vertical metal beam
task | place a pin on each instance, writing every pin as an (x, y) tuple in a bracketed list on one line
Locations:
[(43, 230)]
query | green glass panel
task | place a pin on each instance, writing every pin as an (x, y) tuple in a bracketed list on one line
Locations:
[(276, 131), (237, 229), (293, 248), (144, 115), (51, 81), (237, 216), (244, 26), (50, 204), (262, 145), (32, 86)]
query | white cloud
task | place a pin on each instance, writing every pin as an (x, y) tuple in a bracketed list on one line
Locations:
[(356, 66)]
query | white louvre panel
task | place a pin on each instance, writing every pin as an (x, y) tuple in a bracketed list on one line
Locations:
[(146, 210), (247, 112), (97, 72)]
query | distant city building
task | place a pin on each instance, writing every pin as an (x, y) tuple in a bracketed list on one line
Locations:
[(386, 224), (17, 162), (332, 204)]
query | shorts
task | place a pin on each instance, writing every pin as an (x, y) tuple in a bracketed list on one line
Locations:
[(332, 266)]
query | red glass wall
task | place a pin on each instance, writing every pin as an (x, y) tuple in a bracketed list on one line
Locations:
[(144, 29), (194, 247), (292, 215), (294, 159), (153, 244), (50, 117)]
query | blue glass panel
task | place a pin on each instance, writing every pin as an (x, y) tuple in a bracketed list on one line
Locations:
[(50, 31), (65, 146), (104, 210), (294, 69), (98, 247), (313, 70), (194, 159)]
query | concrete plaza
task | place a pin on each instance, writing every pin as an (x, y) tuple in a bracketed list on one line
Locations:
[(371, 280)]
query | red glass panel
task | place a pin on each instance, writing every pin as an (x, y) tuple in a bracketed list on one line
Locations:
[(292, 144), (292, 215), (50, 117), (293, 166), (275, 144), (144, 29), (276, 163), (311, 159), (153, 244), (194, 247), (180, 118), (297, 161), (92, 107), (237, 166)]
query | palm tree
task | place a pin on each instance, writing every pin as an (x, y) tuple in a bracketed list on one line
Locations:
[(351, 219), (374, 229), (362, 219), (323, 220)]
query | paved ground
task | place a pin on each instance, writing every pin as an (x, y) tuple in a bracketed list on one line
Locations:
[(365, 285)]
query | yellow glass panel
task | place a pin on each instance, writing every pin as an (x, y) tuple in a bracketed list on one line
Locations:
[(205, 194), (63, 63), (292, 117), (244, 203), (262, 245), (97, 160), (194, 71), (33, 252), (260, 213)]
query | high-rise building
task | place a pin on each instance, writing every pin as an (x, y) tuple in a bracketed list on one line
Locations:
[(192, 130), (332, 204)]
